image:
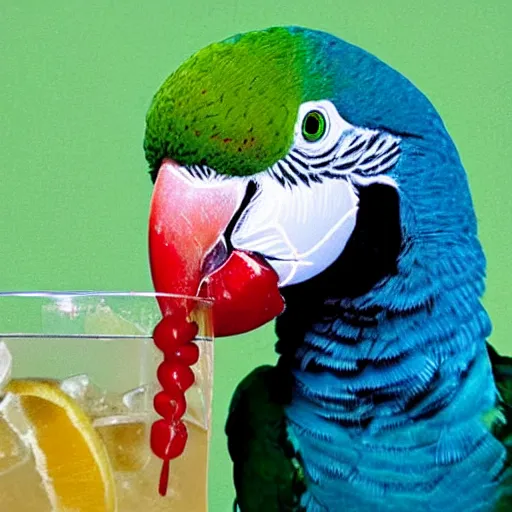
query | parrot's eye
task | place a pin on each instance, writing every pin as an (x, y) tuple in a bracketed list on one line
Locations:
[(313, 126)]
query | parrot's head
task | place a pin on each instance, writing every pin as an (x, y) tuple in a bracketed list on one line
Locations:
[(288, 158)]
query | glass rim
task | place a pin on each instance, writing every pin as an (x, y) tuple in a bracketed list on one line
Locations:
[(102, 293)]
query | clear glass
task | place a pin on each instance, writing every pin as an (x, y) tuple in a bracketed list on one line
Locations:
[(96, 349)]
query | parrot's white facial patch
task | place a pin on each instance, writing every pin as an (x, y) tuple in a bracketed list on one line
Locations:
[(305, 207), (300, 230)]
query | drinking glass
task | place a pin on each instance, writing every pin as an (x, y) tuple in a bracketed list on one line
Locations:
[(78, 373)]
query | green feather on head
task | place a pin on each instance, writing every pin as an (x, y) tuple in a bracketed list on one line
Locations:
[(212, 111)]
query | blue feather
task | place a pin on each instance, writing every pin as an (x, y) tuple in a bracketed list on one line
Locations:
[(388, 405)]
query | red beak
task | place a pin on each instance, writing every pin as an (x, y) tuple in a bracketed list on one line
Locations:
[(187, 219)]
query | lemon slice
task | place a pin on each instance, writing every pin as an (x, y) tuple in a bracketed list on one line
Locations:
[(70, 455)]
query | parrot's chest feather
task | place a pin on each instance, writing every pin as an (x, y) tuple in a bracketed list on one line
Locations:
[(387, 416)]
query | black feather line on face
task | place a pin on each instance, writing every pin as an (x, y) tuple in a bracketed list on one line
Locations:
[(288, 177), (302, 161), (362, 152), (345, 166), (306, 157), (354, 147), (302, 176), (387, 159), (293, 170)]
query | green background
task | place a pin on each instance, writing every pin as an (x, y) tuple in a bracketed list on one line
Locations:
[(76, 79)]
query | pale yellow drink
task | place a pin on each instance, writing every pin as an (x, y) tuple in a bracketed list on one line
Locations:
[(77, 381), (135, 469)]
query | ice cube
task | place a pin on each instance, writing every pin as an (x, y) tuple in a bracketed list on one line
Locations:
[(5, 365), (140, 399), (95, 401), (76, 386), (136, 399)]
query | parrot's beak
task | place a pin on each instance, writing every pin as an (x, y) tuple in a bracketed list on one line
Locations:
[(189, 256)]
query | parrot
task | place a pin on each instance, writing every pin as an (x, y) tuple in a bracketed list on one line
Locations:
[(299, 179)]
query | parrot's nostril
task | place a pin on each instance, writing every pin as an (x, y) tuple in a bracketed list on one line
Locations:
[(215, 257)]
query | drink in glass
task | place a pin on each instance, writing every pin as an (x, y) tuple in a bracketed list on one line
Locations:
[(77, 381)]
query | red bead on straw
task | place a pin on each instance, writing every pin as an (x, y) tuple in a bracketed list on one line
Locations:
[(170, 404), (173, 336), (188, 353), (171, 333), (168, 440), (175, 374)]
